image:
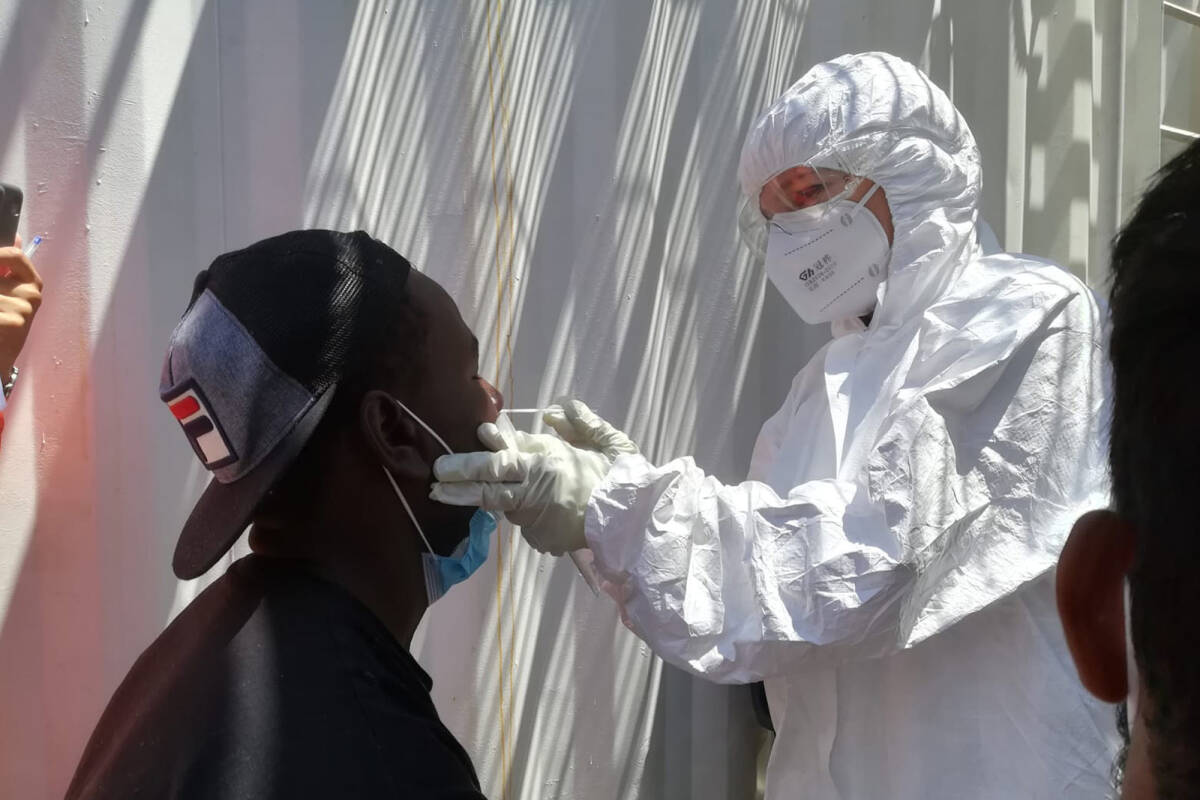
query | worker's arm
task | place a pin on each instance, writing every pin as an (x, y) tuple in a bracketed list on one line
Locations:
[(968, 492), (732, 582), (736, 583), (969, 481)]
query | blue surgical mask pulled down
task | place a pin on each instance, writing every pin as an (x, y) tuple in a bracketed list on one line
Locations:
[(442, 572)]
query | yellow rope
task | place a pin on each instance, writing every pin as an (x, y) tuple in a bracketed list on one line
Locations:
[(504, 267), (499, 550), (510, 664)]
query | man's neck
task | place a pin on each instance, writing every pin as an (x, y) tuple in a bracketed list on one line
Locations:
[(389, 583), (393, 601)]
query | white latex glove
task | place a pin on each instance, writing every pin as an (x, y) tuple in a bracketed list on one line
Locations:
[(582, 427), (543, 483)]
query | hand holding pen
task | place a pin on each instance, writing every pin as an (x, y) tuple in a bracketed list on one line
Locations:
[(20, 298)]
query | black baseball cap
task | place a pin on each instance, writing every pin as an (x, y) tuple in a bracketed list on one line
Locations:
[(253, 366)]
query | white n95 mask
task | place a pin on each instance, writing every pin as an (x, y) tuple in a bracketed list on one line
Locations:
[(828, 260)]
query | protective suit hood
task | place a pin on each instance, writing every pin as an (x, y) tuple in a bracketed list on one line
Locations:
[(877, 116)]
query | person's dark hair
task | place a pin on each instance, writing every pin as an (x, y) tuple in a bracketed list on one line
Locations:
[(1155, 446)]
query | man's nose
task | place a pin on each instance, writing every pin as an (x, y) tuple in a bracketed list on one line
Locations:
[(497, 398)]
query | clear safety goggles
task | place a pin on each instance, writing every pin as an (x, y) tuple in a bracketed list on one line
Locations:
[(791, 189)]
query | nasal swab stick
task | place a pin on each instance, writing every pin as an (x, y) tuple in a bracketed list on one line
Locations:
[(586, 568)]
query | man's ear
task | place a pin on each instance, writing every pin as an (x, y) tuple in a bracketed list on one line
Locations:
[(393, 437), (1090, 589)]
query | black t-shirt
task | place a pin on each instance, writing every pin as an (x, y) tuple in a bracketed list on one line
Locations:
[(274, 683)]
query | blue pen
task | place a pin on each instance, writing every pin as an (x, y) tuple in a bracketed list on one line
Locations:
[(32, 247)]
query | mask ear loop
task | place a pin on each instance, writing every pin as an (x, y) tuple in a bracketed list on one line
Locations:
[(392, 481), (408, 509), (428, 429), (870, 193), (1131, 669)]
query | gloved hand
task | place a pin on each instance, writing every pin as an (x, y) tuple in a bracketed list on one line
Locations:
[(543, 483), (579, 425)]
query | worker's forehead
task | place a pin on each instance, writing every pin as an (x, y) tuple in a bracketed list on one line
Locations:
[(801, 175)]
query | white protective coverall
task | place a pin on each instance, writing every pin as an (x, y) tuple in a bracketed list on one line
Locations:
[(888, 567)]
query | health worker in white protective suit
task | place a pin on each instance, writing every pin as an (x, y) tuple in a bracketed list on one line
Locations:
[(888, 566)]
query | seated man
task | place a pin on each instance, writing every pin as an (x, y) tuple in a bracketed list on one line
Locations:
[(1138, 562), (316, 375)]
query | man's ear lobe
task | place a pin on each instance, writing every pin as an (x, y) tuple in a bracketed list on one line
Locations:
[(1090, 588), (392, 437)]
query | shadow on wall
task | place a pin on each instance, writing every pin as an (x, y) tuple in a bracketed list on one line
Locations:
[(115, 478), (1048, 133), (568, 172)]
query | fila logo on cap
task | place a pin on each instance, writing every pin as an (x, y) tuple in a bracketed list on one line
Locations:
[(188, 406)]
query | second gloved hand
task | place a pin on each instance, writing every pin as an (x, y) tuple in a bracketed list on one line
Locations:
[(542, 484)]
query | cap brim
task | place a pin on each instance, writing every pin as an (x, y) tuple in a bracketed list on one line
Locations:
[(225, 509)]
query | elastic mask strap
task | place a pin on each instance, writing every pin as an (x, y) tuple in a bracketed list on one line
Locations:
[(1131, 670), (421, 422), (407, 508), (859, 205), (392, 480)]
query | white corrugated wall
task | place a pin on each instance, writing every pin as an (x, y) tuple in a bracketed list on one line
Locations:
[(567, 171)]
